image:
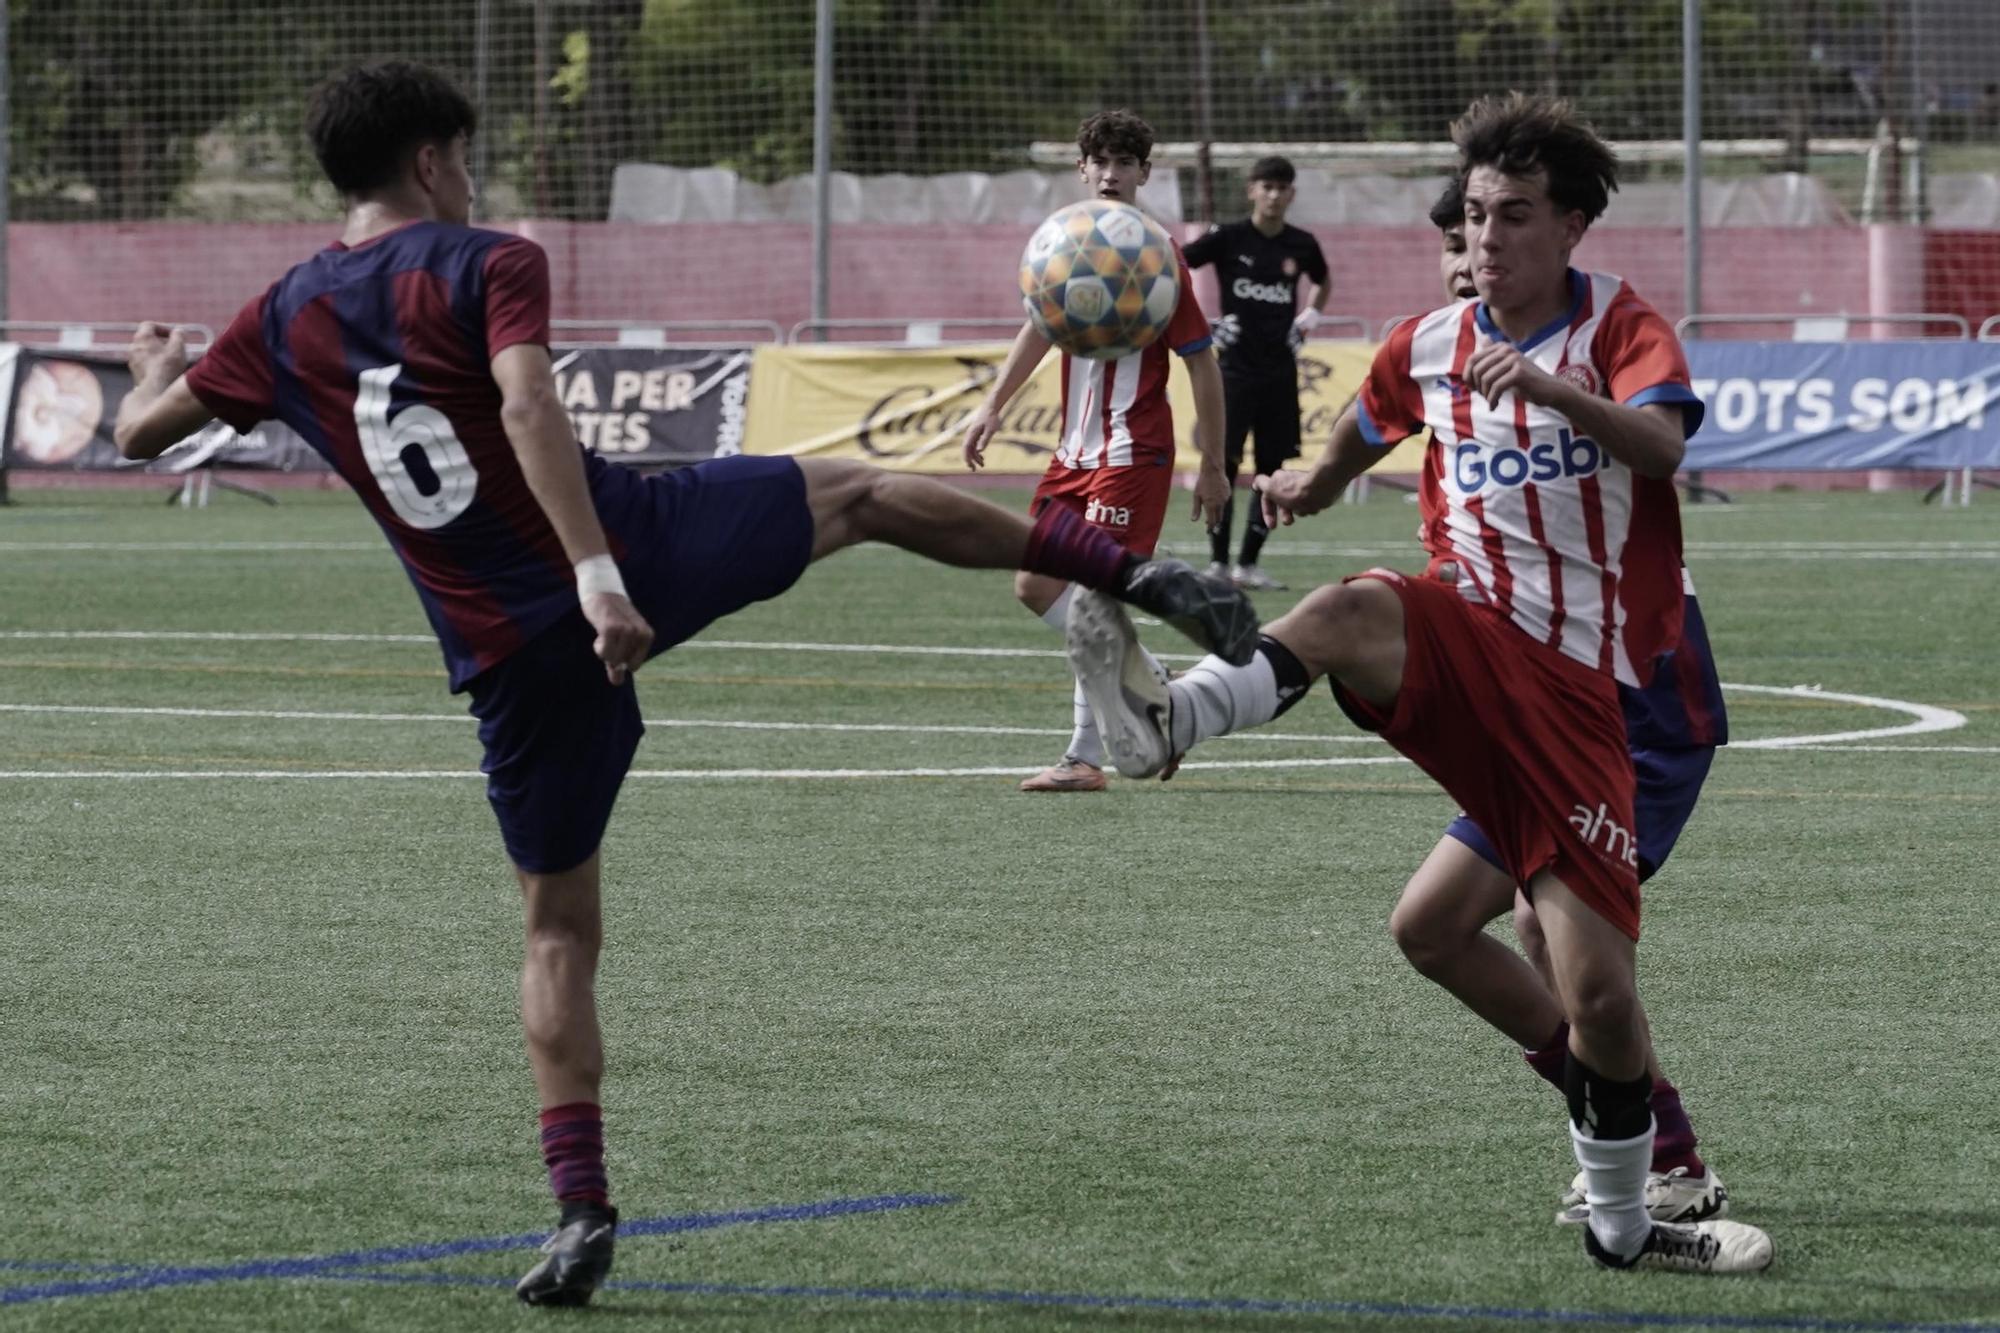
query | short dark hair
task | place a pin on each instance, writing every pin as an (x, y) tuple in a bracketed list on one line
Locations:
[(1278, 169), (1111, 133), (1449, 210), (1522, 133), (364, 123)]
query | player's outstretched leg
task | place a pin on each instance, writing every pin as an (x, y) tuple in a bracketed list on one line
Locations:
[(1353, 630), (852, 502)]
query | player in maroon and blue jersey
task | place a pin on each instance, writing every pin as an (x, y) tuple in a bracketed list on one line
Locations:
[(413, 355), (1673, 725)]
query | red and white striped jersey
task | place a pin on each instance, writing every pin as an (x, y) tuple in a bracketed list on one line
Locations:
[(1115, 412), (1573, 547)]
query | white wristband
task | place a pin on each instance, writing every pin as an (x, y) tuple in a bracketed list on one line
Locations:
[(598, 574)]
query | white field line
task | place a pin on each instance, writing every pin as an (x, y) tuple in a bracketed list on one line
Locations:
[(285, 636), (685, 723), (209, 548), (1928, 718), (694, 774), (1288, 549)]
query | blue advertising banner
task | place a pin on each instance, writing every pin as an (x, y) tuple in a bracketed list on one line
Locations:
[(1835, 406)]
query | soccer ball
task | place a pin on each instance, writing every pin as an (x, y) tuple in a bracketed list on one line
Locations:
[(1100, 279)]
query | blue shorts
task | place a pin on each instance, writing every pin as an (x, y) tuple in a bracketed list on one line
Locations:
[(694, 546), (1669, 783)]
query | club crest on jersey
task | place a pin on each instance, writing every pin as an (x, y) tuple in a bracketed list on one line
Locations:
[(1290, 267), (1474, 466), (1583, 375)]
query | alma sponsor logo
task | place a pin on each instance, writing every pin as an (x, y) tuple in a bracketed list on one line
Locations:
[(1605, 834), (1108, 516)]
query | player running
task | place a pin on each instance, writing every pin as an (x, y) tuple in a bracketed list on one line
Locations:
[(1672, 727), (413, 355), (1274, 288), (1558, 405), (1115, 466)]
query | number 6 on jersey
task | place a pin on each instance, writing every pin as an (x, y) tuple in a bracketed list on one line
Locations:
[(417, 459)]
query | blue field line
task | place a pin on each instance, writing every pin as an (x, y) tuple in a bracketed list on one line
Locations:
[(1217, 1305), (141, 1279)]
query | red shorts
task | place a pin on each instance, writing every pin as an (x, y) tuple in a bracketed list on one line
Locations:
[(1130, 503), (1531, 743)]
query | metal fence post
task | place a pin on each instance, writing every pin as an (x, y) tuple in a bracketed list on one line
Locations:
[(822, 152)]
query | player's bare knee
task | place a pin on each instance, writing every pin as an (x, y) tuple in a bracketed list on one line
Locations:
[(1604, 1005), (1427, 937), (1343, 625)]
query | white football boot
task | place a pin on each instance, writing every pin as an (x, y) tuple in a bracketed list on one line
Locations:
[(1696, 1247), (1673, 1197), (1131, 703)]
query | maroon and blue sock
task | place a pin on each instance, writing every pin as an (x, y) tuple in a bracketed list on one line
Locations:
[(1062, 546), (1674, 1142), (573, 1148), (1552, 1056)]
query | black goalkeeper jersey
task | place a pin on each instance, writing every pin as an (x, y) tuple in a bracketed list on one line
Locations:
[(1259, 276)]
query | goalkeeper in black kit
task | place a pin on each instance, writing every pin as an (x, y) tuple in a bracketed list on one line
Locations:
[(1261, 264)]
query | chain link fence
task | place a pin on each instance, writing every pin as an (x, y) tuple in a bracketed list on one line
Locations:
[(1824, 114)]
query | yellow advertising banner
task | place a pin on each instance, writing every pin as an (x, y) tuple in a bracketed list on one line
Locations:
[(906, 408)]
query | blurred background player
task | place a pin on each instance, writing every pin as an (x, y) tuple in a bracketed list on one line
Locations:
[(413, 354), (1558, 405), (1672, 727), (1115, 466), (1261, 264)]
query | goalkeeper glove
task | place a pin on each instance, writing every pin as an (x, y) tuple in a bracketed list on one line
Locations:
[(1302, 328)]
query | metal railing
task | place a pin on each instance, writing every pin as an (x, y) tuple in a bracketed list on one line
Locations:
[(916, 332), (81, 335), (1990, 330), (1328, 323), (666, 332), (1833, 325)]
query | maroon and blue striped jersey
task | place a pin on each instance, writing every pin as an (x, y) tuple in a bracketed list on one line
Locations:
[(380, 356)]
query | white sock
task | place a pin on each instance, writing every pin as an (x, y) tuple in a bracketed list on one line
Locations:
[(1614, 1184), (1057, 616), (1215, 699), (1085, 745)]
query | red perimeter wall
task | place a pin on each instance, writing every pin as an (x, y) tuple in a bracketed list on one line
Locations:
[(202, 272)]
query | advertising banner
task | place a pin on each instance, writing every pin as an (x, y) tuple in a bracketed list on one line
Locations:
[(1822, 407), (656, 406), (906, 408)]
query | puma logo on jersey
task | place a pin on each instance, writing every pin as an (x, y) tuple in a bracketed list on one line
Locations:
[(1600, 830), (1277, 293), (1109, 516), (1474, 465)]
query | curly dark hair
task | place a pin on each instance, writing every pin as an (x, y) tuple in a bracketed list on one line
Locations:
[(1449, 210), (1522, 133), (364, 123), (1110, 133)]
